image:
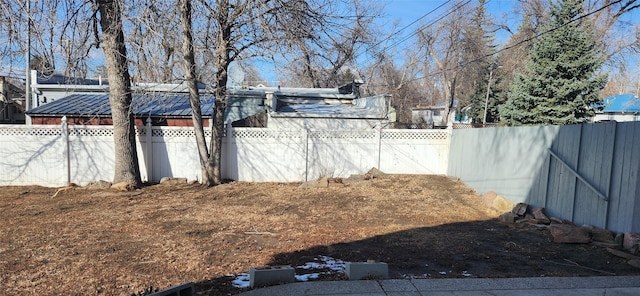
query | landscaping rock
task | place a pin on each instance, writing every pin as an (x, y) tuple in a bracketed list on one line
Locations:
[(320, 183), (622, 254), (520, 209), (356, 180), (335, 182), (496, 202), (488, 198), (602, 235), (375, 173), (570, 234), (631, 242), (635, 263), (173, 181), (99, 185), (507, 218), (123, 186), (539, 214)]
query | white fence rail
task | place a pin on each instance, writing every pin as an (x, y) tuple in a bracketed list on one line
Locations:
[(54, 155)]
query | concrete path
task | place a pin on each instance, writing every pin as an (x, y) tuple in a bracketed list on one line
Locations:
[(547, 286)]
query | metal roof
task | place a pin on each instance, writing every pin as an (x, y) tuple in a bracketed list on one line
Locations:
[(375, 107), (143, 104), (148, 105), (622, 103)]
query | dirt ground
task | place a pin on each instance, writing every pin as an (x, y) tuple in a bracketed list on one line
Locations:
[(85, 242)]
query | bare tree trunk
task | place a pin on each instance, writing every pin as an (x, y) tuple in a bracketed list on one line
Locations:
[(126, 157), (194, 96), (222, 61)]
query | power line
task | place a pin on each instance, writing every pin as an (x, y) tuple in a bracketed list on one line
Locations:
[(519, 43), (409, 25)]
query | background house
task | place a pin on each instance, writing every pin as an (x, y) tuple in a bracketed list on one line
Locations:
[(619, 108), (326, 108), (11, 102), (163, 109), (168, 105), (432, 116)]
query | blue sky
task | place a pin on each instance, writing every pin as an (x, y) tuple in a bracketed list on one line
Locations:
[(407, 11)]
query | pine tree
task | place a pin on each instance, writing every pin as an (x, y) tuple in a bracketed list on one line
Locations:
[(477, 45), (561, 84)]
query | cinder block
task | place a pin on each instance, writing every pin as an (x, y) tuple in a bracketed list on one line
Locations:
[(271, 275), (366, 270), (187, 289)]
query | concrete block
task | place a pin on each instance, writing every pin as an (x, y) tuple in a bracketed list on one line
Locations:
[(366, 270), (187, 289), (271, 275)]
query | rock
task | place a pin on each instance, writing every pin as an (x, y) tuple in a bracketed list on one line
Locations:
[(497, 203), (320, 183), (635, 263), (173, 181), (99, 185), (520, 209), (123, 186), (559, 221), (356, 180), (507, 218), (539, 214), (488, 199), (602, 235), (376, 173), (604, 245), (335, 182), (622, 254), (501, 204), (570, 234), (631, 242)]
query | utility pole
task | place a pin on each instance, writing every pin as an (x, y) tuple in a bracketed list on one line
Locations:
[(486, 99), (27, 78)]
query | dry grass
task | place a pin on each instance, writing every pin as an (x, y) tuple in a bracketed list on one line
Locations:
[(118, 243)]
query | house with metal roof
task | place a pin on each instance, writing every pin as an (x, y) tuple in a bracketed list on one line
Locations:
[(271, 107), (326, 108), (163, 109), (619, 108)]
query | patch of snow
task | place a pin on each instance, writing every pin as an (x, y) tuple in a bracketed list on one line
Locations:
[(307, 277), (241, 281), (465, 273), (322, 262), (443, 272)]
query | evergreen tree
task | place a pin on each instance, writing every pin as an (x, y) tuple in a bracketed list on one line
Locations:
[(561, 84), (477, 45)]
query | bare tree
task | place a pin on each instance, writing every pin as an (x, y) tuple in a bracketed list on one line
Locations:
[(240, 29), (112, 42), (443, 46), (325, 59)]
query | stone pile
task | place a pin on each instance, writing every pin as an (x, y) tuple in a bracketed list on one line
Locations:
[(625, 245)]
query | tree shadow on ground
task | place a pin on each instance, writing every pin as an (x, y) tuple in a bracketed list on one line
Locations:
[(480, 249)]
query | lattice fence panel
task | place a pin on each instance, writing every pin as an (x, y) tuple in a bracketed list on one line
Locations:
[(415, 135), (31, 131), (173, 133), (267, 134), (95, 132), (343, 134)]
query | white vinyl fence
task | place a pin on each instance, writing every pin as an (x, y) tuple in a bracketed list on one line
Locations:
[(54, 155)]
